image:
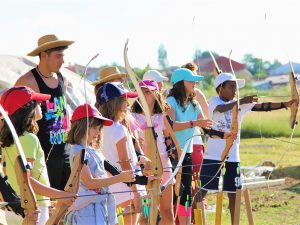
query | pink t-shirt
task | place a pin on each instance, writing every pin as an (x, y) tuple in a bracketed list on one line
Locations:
[(158, 123)]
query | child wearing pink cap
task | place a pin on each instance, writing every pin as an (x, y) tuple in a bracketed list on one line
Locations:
[(155, 104)]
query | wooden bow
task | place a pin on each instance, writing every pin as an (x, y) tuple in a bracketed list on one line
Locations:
[(233, 130), (151, 149), (217, 69), (295, 95), (72, 186), (181, 154), (22, 170)]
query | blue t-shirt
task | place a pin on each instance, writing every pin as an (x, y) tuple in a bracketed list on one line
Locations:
[(184, 115)]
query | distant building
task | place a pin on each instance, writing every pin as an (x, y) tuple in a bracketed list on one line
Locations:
[(280, 75), (206, 66), (91, 73), (262, 85)]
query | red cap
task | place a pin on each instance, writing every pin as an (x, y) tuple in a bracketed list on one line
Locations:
[(16, 97), (86, 110)]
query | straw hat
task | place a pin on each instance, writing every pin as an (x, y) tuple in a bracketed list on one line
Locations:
[(108, 74), (47, 42)]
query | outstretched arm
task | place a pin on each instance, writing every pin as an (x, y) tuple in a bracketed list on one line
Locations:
[(269, 106)]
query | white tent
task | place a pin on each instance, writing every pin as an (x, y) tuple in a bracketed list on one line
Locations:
[(12, 67)]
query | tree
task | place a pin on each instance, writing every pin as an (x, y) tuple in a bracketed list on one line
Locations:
[(258, 67), (254, 65), (198, 54), (162, 57)]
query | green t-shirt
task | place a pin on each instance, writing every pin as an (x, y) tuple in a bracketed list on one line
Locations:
[(33, 150)]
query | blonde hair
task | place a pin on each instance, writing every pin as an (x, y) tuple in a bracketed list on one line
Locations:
[(78, 131)]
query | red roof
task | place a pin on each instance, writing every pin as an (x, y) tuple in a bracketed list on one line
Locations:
[(223, 63)]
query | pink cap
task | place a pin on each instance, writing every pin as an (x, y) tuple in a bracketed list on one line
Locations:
[(149, 84)]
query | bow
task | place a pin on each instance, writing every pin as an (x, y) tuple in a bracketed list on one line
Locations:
[(72, 186), (178, 171), (22, 170), (151, 150), (295, 95), (234, 120), (180, 156), (217, 69), (234, 131)]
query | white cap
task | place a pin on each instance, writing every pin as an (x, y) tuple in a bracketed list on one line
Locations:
[(222, 77), (154, 75)]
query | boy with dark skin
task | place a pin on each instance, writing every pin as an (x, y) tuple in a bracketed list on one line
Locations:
[(220, 111)]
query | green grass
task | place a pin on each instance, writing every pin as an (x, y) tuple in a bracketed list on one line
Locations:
[(269, 206), (268, 124), (276, 205), (256, 150)]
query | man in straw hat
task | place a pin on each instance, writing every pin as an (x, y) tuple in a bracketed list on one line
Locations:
[(47, 79)]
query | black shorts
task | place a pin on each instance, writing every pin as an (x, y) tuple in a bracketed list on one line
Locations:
[(58, 171), (210, 174)]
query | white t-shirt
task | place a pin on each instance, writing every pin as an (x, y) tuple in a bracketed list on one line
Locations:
[(222, 122), (111, 135)]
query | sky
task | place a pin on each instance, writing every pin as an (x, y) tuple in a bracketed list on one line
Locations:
[(268, 29)]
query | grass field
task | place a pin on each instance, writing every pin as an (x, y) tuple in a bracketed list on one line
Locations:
[(268, 124), (277, 205)]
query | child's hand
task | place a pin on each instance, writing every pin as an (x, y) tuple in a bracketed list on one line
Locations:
[(248, 99), (144, 161), (230, 135), (66, 198), (34, 216), (51, 208), (205, 123), (127, 176), (290, 103)]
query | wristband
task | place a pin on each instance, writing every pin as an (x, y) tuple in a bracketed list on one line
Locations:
[(283, 106), (192, 123)]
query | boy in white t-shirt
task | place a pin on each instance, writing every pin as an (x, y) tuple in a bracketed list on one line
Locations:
[(220, 111)]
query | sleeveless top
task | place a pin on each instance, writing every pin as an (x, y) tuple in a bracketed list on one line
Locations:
[(54, 124)]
